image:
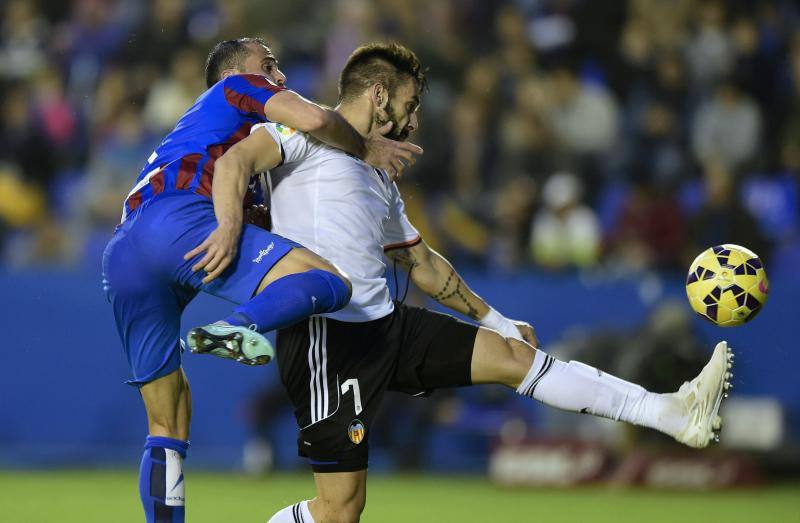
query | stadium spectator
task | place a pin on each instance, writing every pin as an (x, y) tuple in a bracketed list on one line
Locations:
[(513, 207), (723, 219), (165, 26), (574, 104), (649, 229), (565, 232), (85, 42), (727, 128), (118, 153), (170, 96), (22, 141), (710, 52), (24, 39), (526, 138), (656, 133)]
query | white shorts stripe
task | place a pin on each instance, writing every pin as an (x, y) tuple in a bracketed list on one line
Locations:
[(317, 368), (319, 394), (324, 348), (312, 395)]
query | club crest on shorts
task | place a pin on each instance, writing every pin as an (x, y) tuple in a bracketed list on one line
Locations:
[(356, 431)]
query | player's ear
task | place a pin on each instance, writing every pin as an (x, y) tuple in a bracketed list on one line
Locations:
[(228, 72), (379, 95)]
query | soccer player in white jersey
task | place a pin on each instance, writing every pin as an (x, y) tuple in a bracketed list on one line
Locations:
[(337, 366)]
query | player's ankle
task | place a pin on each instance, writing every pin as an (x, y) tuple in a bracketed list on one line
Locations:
[(665, 413)]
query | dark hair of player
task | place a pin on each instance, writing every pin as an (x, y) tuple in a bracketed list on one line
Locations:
[(229, 54), (385, 63)]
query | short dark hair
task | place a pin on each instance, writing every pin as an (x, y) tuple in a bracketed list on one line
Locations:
[(386, 63), (229, 55)]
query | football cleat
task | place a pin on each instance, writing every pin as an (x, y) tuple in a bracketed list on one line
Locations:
[(231, 342), (702, 398)]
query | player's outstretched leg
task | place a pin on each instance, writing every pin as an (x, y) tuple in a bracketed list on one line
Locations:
[(161, 483), (299, 285), (690, 415)]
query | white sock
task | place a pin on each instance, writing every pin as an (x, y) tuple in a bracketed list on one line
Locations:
[(577, 387), (297, 513)]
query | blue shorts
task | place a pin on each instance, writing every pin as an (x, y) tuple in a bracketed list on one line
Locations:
[(149, 283)]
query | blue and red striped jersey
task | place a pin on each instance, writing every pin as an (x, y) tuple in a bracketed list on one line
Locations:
[(219, 118)]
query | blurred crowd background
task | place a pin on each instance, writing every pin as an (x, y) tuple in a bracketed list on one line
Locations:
[(567, 143), (558, 133)]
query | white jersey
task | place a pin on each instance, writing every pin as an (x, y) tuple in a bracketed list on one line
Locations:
[(344, 210)]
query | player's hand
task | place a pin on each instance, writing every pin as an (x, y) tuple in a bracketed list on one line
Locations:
[(528, 334), (220, 250), (390, 155)]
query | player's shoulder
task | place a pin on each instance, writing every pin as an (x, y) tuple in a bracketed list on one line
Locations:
[(281, 132), (296, 146)]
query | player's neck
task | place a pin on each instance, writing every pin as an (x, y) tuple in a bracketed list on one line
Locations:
[(357, 115)]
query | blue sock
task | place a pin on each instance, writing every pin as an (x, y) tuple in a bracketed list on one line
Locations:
[(290, 299), (161, 485)]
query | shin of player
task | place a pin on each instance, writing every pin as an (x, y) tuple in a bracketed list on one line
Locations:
[(162, 488)]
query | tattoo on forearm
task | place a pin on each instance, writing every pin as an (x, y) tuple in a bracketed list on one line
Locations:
[(454, 288), (406, 257)]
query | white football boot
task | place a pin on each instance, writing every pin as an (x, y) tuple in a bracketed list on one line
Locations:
[(702, 397)]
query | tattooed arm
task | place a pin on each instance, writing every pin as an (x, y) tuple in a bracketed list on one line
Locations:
[(438, 279)]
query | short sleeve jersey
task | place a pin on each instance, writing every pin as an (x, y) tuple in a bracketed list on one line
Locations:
[(344, 210), (219, 118)]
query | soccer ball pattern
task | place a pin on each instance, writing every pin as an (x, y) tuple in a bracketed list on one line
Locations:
[(727, 285)]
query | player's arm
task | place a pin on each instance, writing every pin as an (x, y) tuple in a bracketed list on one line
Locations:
[(256, 153), (437, 278), (328, 126)]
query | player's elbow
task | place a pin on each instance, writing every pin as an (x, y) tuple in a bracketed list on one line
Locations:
[(235, 163), (227, 165)]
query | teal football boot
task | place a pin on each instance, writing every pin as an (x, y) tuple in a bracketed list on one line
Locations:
[(231, 342)]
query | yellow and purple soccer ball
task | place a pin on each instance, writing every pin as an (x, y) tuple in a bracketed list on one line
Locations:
[(727, 285)]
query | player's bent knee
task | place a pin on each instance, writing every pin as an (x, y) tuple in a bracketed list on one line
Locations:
[(302, 260), (519, 362), (500, 360)]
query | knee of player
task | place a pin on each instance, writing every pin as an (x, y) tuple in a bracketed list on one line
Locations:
[(343, 289), (514, 361), (346, 282)]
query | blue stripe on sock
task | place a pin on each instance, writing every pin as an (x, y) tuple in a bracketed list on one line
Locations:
[(158, 480)]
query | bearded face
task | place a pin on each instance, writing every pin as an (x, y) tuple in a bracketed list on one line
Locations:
[(401, 110)]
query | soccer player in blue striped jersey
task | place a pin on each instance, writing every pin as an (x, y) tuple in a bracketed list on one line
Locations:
[(182, 232)]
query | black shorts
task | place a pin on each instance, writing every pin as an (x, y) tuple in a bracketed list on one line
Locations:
[(336, 373)]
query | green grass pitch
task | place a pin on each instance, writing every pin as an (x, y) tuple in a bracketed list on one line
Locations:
[(111, 497)]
